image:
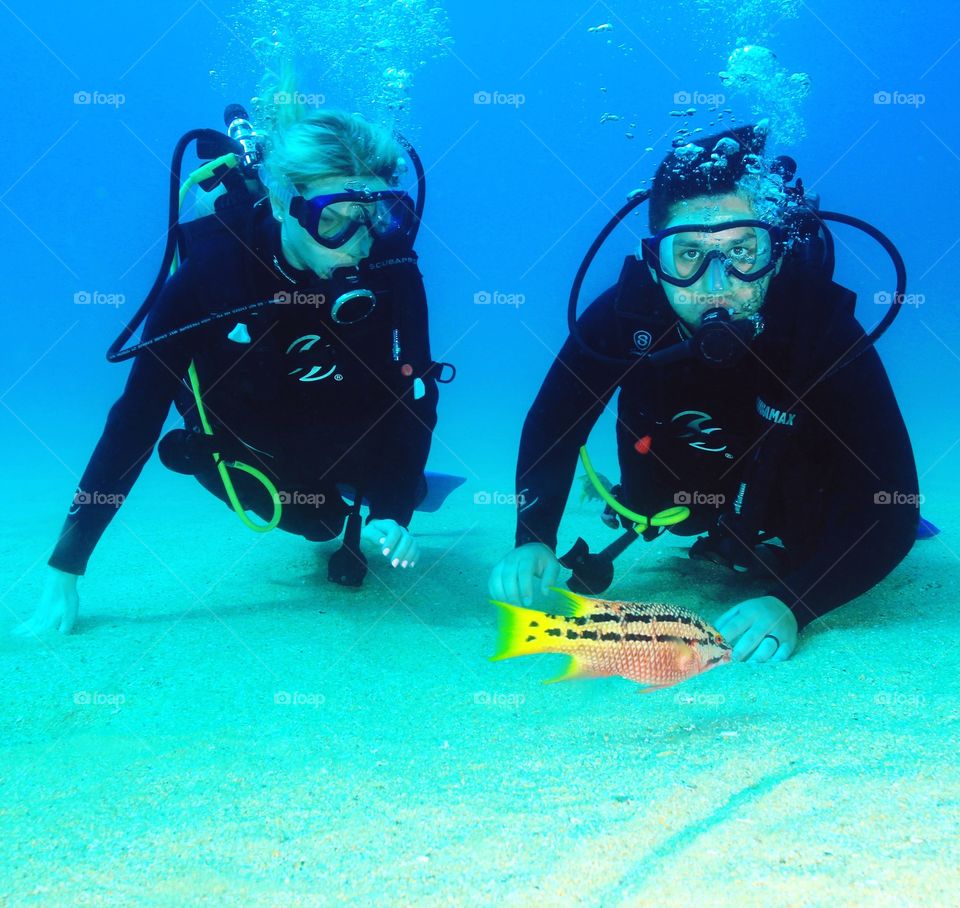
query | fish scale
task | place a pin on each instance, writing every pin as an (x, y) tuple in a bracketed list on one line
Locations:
[(655, 644)]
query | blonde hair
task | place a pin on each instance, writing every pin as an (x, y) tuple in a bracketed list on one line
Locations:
[(305, 144)]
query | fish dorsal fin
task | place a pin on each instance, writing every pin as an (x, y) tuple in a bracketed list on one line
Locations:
[(574, 605), (577, 606)]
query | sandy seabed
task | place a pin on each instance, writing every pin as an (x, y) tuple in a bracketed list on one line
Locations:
[(228, 728)]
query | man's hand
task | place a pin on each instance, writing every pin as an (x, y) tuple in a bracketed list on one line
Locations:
[(58, 606), (766, 627), (396, 543), (512, 579)]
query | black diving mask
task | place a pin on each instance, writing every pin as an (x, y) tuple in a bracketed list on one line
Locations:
[(333, 219), (745, 249)]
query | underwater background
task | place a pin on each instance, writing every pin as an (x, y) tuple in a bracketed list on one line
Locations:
[(227, 727)]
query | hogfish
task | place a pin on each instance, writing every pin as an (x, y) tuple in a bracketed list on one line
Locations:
[(655, 644)]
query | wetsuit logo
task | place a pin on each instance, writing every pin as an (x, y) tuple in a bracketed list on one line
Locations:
[(642, 341), (389, 263), (694, 427), (319, 359), (772, 414)]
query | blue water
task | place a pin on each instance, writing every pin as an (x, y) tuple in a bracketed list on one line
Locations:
[(517, 191)]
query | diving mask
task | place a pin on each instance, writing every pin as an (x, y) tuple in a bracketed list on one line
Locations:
[(333, 219), (745, 249)]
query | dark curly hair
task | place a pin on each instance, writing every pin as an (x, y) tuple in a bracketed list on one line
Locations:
[(713, 165)]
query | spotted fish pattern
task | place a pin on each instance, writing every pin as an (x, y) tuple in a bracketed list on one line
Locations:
[(652, 643)]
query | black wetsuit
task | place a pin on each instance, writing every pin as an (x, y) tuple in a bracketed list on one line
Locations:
[(309, 402), (844, 496)]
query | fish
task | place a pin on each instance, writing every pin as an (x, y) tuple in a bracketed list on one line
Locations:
[(588, 491), (655, 644)]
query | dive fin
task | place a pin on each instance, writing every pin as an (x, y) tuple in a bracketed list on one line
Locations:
[(926, 530), (434, 487), (438, 487)]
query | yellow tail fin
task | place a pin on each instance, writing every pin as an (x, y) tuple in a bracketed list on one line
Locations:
[(523, 631)]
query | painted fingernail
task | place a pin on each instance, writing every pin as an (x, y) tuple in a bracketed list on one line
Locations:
[(383, 539), (405, 563), (395, 562), (386, 551)]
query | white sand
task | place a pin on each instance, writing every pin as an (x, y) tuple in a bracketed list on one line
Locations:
[(410, 770)]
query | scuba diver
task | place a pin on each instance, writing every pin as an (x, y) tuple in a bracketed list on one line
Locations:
[(754, 411), (289, 328)]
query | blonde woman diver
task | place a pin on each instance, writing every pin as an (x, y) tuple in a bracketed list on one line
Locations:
[(293, 340)]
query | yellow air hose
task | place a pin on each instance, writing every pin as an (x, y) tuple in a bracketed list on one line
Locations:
[(223, 467), (665, 518)]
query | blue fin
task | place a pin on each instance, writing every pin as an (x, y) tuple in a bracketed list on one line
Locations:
[(439, 486), (926, 530)]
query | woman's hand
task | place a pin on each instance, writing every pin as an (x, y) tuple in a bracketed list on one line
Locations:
[(512, 579), (397, 544), (766, 627), (58, 607)]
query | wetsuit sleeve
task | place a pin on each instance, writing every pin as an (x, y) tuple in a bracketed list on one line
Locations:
[(571, 399), (132, 429), (871, 499), (397, 482), (403, 435)]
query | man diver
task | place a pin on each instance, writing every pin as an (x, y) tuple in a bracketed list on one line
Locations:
[(750, 408), (321, 385)]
